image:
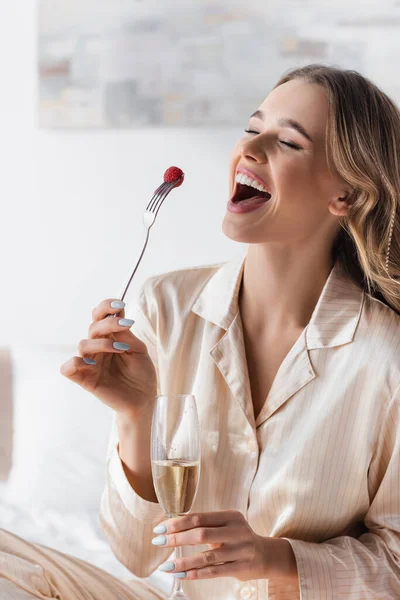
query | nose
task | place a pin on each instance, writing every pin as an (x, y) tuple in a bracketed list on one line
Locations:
[(253, 150)]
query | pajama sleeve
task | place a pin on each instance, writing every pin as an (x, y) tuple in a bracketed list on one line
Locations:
[(367, 567), (126, 518)]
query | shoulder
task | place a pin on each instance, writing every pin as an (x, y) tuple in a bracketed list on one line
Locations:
[(381, 326), (181, 286), (381, 317)]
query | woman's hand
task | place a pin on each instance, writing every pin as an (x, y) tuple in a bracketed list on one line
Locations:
[(121, 376), (235, 550)]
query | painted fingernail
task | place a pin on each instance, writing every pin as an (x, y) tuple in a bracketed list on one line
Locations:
[(118, 304), (89, 361), (121, 346), (180, 575), (160, 529), (161, 540), (126, 322), (168, 566)]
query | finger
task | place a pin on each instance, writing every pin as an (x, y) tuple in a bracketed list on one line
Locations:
[(194, 537), (126, 337), (104, 308), (87, 348), (120, 327), (121, 333), (74, 369), (205, 519), (204, 559), (229, 569)]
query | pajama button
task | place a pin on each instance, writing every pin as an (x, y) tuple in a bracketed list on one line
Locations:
[(246, 593)]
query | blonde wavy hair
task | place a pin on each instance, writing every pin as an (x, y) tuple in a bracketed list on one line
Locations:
[(363, 142)]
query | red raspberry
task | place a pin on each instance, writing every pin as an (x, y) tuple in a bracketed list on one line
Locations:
[(173, 174)]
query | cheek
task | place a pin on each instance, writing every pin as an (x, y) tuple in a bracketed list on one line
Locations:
[(300, 191), (233, 163), (292, 174), (298, 180)]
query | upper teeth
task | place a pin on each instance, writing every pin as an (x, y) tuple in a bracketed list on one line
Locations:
[(245, 180)]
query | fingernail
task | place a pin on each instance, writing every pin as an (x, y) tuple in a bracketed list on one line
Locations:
[(118, 304), (180, 575), (168, 566), (161, 540), (126, 322), (89, 361), (160, 529), (121, 346)]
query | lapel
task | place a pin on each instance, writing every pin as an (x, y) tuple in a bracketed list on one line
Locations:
[(218, 303), (333, 323), (293, 374), (229, 355)]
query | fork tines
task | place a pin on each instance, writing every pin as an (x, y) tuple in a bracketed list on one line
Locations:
[(159, 196)]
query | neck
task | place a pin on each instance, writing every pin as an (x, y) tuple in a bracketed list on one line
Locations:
[(281, 287)]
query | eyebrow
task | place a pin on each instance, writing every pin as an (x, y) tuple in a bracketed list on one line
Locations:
[(285, 122)]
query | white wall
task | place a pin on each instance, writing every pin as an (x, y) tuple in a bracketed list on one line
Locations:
[(72, 203)]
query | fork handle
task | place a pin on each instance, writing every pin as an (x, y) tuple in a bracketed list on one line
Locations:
[(146, 239)]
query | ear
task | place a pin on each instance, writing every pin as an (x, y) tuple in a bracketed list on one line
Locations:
[(339, 206)]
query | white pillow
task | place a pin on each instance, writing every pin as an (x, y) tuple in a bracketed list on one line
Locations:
[(59, 461), (5, 412), (60, 435)]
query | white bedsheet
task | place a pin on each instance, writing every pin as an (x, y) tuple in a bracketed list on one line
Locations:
[(52, 495), (78, 534)]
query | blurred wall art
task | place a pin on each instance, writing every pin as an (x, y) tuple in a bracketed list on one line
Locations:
[(132, 63)]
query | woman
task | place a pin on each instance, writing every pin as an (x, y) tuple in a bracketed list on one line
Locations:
[(293, 356)]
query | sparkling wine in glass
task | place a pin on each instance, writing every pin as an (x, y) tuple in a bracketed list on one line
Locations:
[(175, 460)]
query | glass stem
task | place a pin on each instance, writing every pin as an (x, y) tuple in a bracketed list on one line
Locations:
[(178, 582)]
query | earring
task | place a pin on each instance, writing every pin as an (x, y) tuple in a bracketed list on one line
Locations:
[(390, 240)]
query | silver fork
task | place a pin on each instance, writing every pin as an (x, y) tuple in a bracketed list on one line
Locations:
[(149, 217)]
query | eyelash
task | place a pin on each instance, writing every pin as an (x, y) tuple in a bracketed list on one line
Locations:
[(281, 141)]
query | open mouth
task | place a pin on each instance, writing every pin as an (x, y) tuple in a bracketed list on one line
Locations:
[(248, 194)]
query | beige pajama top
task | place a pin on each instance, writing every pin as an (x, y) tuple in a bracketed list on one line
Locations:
[(319, 466)]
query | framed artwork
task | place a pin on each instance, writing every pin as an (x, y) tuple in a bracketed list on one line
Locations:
[(135, 63)]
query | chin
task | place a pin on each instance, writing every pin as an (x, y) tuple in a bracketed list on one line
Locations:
[(234, 233)]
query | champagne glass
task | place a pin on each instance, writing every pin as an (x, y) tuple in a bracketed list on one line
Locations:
[(175, 460)]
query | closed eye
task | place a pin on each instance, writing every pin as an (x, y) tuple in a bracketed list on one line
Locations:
[(294, 146)]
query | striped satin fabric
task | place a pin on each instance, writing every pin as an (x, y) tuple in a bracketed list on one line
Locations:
[(30, 571), (319, 467)]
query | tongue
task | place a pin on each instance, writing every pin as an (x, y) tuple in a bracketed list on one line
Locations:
[(254, 200)]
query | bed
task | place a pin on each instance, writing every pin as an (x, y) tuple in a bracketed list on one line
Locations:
[(53, 443)]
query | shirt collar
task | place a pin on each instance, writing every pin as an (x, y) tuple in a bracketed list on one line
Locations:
[(334, 319)]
